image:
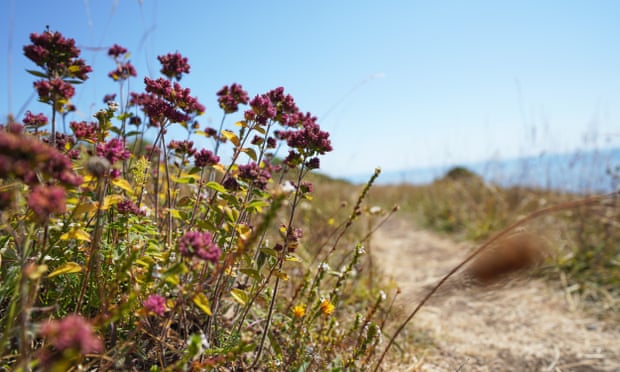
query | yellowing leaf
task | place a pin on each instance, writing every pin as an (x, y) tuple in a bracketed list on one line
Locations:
[(244, 231), (123, 184), (111, 200), (84, 208), (232, 137), (292, 258), (68, 268), (203, 303), (239, 296), (76, 234), (281, 274), (175, 214), (250, 152)]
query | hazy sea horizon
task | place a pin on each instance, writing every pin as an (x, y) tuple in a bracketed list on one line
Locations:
[(587, 171)]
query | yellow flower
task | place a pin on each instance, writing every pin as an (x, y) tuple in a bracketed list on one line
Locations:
[(299, 311), (327, 307)]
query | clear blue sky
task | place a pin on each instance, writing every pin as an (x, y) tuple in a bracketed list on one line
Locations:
[(398, 84)]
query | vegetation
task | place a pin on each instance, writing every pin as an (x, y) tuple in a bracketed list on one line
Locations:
[(124, 252), (583, 238), (123, 249)]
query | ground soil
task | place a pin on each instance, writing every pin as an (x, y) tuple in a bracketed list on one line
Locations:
[(524, 324)]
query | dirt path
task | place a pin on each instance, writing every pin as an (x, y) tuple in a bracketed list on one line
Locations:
[(525, 326)]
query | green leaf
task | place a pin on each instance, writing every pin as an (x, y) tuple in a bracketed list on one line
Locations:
[(68, 268), (269, 252), (257, 205), (254, 274), (185, 179), (217, 187), (274, 345), (37, 73)]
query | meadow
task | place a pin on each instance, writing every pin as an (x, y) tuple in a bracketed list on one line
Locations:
[(123, 251)]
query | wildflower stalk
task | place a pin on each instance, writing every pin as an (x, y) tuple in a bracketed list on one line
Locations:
[(355, 212), (541, 212), (92, 267), (279, 265)]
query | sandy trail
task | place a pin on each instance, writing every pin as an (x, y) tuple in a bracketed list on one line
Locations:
[(526, 326)]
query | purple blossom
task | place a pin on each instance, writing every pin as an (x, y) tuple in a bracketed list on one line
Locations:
[(71, 333), (109, 98), (35, 120), (173, 66), (231, 184), (306, 142), (46, 200), (210, 132), (127, 206), (113, 150), (199, 245), (262, 110), (54, 90), (229, 98), (181, 148), (155, 304), (165, 101), (26, 158), (56, 55), (255, 175), (123, 71), (6, 199), (115, 173), (116, 51), (205, 158), (85, 131), (63, 141)]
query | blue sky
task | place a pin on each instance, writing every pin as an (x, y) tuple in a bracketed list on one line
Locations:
[(398, 84)]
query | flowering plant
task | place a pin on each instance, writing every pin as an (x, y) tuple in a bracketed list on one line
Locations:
[(130, 252)]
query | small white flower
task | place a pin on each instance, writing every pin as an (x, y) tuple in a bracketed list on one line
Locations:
[(382, 295), (113, 106), (323, 266), (375, 210), (288, 187)]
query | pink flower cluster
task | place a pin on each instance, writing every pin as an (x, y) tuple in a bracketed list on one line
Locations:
[(24, 157), (56, 55), (114, 150), (73, 333), (173, 66), (255, 175), (85, 131), (166, 101), (155, 304), (127, 206), (35, 121), (46, 200), (199, 245), (205, 158), (229, 98), (124, 68)]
